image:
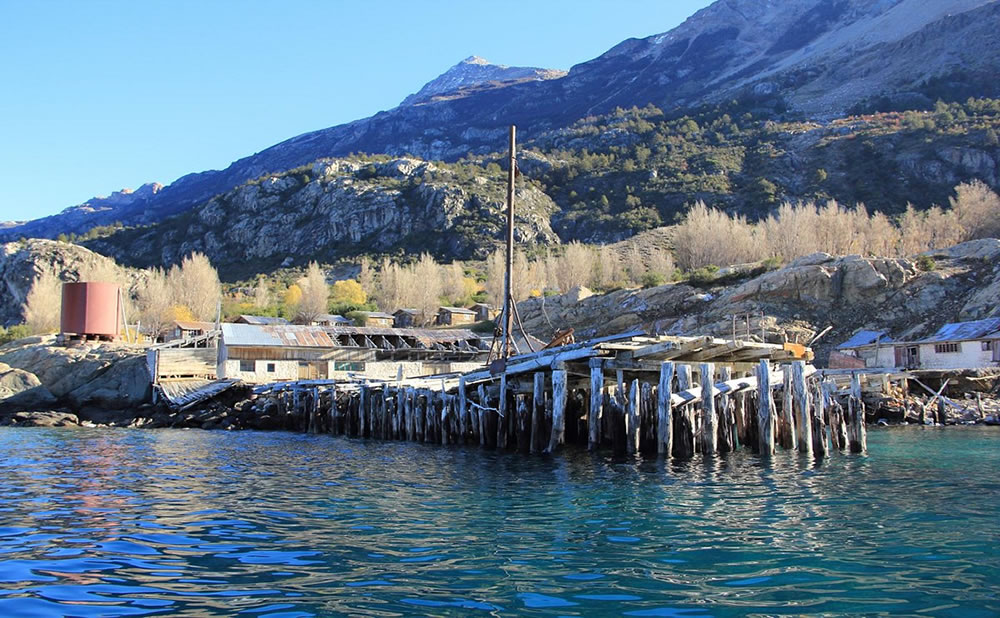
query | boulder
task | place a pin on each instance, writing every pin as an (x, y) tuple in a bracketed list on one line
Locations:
[(22, 389), (42, 419)]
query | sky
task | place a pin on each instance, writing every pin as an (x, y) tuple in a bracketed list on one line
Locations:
[(97, 96)]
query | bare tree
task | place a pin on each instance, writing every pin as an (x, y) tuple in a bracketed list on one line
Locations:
[(315, 294), (261, 294), (196, 286), (426, 283), (573, 268), (366, 276), (155, 302), (43, 304), (976, 210)]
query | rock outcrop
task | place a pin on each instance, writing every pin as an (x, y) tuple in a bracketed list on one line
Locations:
[(43, 375), (23, 261), (343, 207), (795, 302)]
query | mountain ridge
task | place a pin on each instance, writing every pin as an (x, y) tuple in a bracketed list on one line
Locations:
[(819, 58)]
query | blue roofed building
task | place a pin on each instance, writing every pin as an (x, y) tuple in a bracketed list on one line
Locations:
[(956, 345)]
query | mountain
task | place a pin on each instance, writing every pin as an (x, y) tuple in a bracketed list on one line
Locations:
[(339, 208), (124, 205), (784, 60), (476, 72)]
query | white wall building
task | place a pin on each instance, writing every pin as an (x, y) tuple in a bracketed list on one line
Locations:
[(959, 345), (261, 354)]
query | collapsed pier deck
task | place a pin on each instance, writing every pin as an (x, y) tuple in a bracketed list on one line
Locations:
[(670, 396)]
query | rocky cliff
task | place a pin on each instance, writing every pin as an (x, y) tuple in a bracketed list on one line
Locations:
[(23, 261), (476, 72), (795, 302), (343, 207), (35, 374)]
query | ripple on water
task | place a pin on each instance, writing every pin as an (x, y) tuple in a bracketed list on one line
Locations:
[(263, 524)]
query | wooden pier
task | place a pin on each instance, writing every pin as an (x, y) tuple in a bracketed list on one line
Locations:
[(663, 396)]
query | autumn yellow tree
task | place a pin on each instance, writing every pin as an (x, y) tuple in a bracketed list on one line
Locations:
[(348, 292)]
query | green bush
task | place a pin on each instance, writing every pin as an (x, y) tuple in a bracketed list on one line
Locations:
[(653, 280), (926, 263), (13, 333)]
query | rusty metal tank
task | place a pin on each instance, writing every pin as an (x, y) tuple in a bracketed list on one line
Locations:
[(91, 308)]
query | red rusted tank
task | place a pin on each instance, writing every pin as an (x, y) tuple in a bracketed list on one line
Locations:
[(91, 308)]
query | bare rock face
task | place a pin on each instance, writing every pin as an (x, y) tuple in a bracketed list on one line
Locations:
[(19, 388), (796, 302), (23, 261), (103, 375), (343, 208)]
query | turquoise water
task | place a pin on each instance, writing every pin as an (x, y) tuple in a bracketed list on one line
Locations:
[(133, 522)]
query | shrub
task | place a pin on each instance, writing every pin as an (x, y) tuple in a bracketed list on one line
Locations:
[(926, 263), (653, 280), (13, 333)]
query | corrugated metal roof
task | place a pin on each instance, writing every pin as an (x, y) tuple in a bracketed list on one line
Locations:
[(188, 325), (963, 331), (262, 320), (457, 310), (333, 319), (376, 314), (865, 337), (326, 336)]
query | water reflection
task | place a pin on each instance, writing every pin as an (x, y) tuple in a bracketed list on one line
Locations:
[(196, 523)]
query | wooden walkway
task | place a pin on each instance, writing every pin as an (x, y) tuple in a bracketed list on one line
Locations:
[(669, 396)]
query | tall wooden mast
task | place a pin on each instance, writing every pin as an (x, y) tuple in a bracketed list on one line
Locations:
[(508, 308)]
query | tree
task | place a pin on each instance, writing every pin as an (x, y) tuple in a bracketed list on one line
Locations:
[(427, 287), (366, 276), (43, 304), (154, 300), (261, 294), (315, 294), (348, 292), (292, 297), (196, 285)]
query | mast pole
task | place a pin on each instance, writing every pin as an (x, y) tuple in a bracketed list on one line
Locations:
[(508, 299)]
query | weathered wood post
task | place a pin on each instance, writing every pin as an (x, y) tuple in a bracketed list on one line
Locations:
[(803, 419), (857, 434), (363, 396), (765, 424), (411, 414), (558, 406), (664, 412), (709, 419), (684, 435), (537, 413), (632, 419), (483, 403), (724, 410), (786, 420), (463, 410), (596, 403), (502, 414), (820, 438), (523, 430)]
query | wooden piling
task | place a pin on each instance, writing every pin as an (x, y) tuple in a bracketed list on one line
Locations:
[(787, 437), (502, 414), (558, 407), (664, 413), (857, 435), (709, 419), (727, 419), (803, 416), (463, 411), (684, 421), (537, 413), (820, 436), (596, 403), (632, 419), (523, 419), (765, 424)]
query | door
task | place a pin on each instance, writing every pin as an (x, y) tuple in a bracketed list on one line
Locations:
[(900, 353), (995, 344), (912, 357)]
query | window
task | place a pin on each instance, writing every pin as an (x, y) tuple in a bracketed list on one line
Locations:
[(247, 366), (348, 366), (988, 345), (270, 367), (945, 348)]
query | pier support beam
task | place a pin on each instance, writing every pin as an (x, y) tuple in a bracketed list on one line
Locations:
[(765, 424), (803, 416), (558, 407), (632, 419), (664, 413), (709, 419), (596, 411)]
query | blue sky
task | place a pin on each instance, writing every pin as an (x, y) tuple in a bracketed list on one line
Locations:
[(96, 96)]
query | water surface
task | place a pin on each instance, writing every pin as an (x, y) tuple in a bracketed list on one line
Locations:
[(189, 522)]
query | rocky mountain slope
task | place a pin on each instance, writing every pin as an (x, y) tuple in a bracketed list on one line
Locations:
[(22, 262), (476, 72), (340, 208), (795, 302), (124, 205), (811, 59)]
